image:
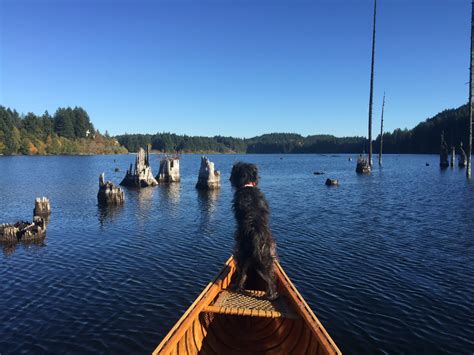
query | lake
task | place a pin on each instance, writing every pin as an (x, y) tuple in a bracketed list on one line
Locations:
[(386, 261)]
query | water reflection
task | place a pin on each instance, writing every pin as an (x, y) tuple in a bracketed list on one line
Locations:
[(170, 195), (173, 193), (34, 245), (145, 201), (207, 201), (108, 213)]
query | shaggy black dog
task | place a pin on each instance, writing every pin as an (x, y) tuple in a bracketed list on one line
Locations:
[(255, 248)]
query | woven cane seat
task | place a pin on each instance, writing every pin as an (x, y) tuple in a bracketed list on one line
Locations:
[(250, 303)]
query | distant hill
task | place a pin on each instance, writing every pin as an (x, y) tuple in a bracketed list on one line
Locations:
[(423, 139), (69, 131)]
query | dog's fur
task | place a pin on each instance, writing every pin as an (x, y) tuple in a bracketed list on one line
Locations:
[(255, 247)]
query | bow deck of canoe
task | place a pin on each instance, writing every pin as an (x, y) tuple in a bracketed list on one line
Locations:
[(223, 321)]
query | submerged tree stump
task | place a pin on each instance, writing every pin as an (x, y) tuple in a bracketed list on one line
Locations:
[(209, 178), (363, 165), (22, 231), (141, 175), (27, 231), (169, 170), (42, 207), (462, 157), (109, 194), (444, 153), (453, 156), (332, 182)]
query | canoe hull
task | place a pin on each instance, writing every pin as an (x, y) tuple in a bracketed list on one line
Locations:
[(247, 331)]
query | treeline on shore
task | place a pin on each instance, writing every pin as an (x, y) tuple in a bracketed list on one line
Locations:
[(423, 139), (282, 143), (68, 131)]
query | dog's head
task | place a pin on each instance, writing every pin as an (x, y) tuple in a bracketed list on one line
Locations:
[(243, 173)]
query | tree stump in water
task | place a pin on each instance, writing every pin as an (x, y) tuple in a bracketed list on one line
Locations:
[(169, 170), (141, 175), (27, 231), (363, 166), (453, 156), (332, 182), (209, 178), (444, 153), (109, 194), (42, 207)]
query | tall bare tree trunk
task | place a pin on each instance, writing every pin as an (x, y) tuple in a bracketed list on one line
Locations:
[(471, 83), (372, 85), (381, 132)]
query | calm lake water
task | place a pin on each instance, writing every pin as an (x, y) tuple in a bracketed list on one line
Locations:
[(386, 261)]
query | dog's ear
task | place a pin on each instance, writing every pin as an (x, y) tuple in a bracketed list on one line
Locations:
[(235, 174)]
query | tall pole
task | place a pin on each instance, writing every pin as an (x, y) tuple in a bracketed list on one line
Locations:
[(381, 132), (372, 85), (471, 91)]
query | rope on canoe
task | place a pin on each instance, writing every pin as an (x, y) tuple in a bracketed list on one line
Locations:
[(250, 303)]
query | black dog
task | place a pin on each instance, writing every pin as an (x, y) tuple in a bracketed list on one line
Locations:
[(254, 248)]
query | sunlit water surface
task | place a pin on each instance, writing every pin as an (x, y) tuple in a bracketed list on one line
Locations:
[(386, 261)]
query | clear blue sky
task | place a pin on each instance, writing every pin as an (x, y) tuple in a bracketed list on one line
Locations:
[(235, 67)]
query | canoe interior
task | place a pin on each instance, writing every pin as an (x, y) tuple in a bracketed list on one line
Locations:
[(210, 326)]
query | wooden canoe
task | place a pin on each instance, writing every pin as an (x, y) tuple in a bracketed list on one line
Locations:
[(222, 321)]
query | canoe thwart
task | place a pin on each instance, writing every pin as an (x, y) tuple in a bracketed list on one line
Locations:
[(250, 303)]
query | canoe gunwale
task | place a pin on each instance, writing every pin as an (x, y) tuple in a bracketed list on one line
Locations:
[(305, 311)]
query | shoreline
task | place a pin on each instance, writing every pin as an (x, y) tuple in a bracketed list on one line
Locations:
[(330, 155)]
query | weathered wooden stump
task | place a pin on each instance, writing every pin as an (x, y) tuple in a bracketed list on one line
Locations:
[(27, 231), (332, 182), (141, 175), (363, 166), (453, 156), (42, 207), (109, 194), (169, 170), (444, 153), (209, 178)]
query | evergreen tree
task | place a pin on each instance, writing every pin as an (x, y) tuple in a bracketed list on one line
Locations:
[(64, 122), (82, 123)]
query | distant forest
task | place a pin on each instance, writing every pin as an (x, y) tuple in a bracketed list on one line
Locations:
[(68, 131), (423, 139)]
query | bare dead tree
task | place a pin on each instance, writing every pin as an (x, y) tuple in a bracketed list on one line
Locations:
[(372, 85), (381, 131), (471, 83)]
